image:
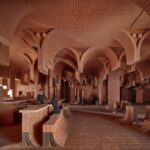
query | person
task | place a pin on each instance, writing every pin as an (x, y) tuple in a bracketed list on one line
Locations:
[(55, 105), (41, 97)]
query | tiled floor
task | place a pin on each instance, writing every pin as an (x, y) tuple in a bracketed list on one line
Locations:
[(90, 131), (97, 132)]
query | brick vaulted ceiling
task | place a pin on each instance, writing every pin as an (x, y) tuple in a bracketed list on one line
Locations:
[(76, 24)]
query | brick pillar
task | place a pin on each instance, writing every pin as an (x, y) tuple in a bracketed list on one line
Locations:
[(113, 87), (58, 90), (139, 95), (100, 93), (12, 83), (46, 87), (1, 93), (78, 94), (32, 72), (72, 94)]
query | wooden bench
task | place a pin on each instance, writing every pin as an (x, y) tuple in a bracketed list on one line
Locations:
[(146, 124), (55, 129)]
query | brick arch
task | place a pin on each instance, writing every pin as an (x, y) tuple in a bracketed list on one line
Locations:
[(121, 56), (67, 63), (7, 40), (107, 52), (16, 15), (145, 5), (72, 51), (146, 34), (128, 43), (138, 69), (53, 43), (106, 68)]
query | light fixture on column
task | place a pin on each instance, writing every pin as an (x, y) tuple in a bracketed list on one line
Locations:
[(43, 34), (137, 35), (134, 35), (140, 35), (38, 34)]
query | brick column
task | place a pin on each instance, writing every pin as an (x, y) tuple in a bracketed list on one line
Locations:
[(72, 93), (100, 92), (78, 95), (139, 95), (113, 87), (51, 90), (46, 87), (58, 90), (1, 93), (12, 83)]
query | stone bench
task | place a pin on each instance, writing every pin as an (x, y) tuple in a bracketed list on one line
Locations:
[(132, 114), (123, 106), (55, 129), (128, 118), (32, 120)]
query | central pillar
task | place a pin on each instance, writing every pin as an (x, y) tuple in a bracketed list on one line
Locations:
[(139, 95), (100, 93), (113, 87)]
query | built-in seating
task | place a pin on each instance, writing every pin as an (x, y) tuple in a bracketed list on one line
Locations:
[(128, 118), (132, 114), (146, 124), (123, 106), (55, 129), (32, 120)]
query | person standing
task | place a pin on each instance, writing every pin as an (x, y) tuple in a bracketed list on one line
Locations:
[(55, 105), (41, 98)]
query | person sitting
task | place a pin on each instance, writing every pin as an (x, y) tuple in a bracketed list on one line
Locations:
[(55, 105), (41, 98)]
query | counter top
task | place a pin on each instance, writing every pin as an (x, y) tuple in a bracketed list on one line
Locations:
[(35, 108)]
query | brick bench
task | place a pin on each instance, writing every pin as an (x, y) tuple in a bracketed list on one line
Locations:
[(146, 124), (55, 129), (123, 106), (128, 118), (32, 121), (132, 112)]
